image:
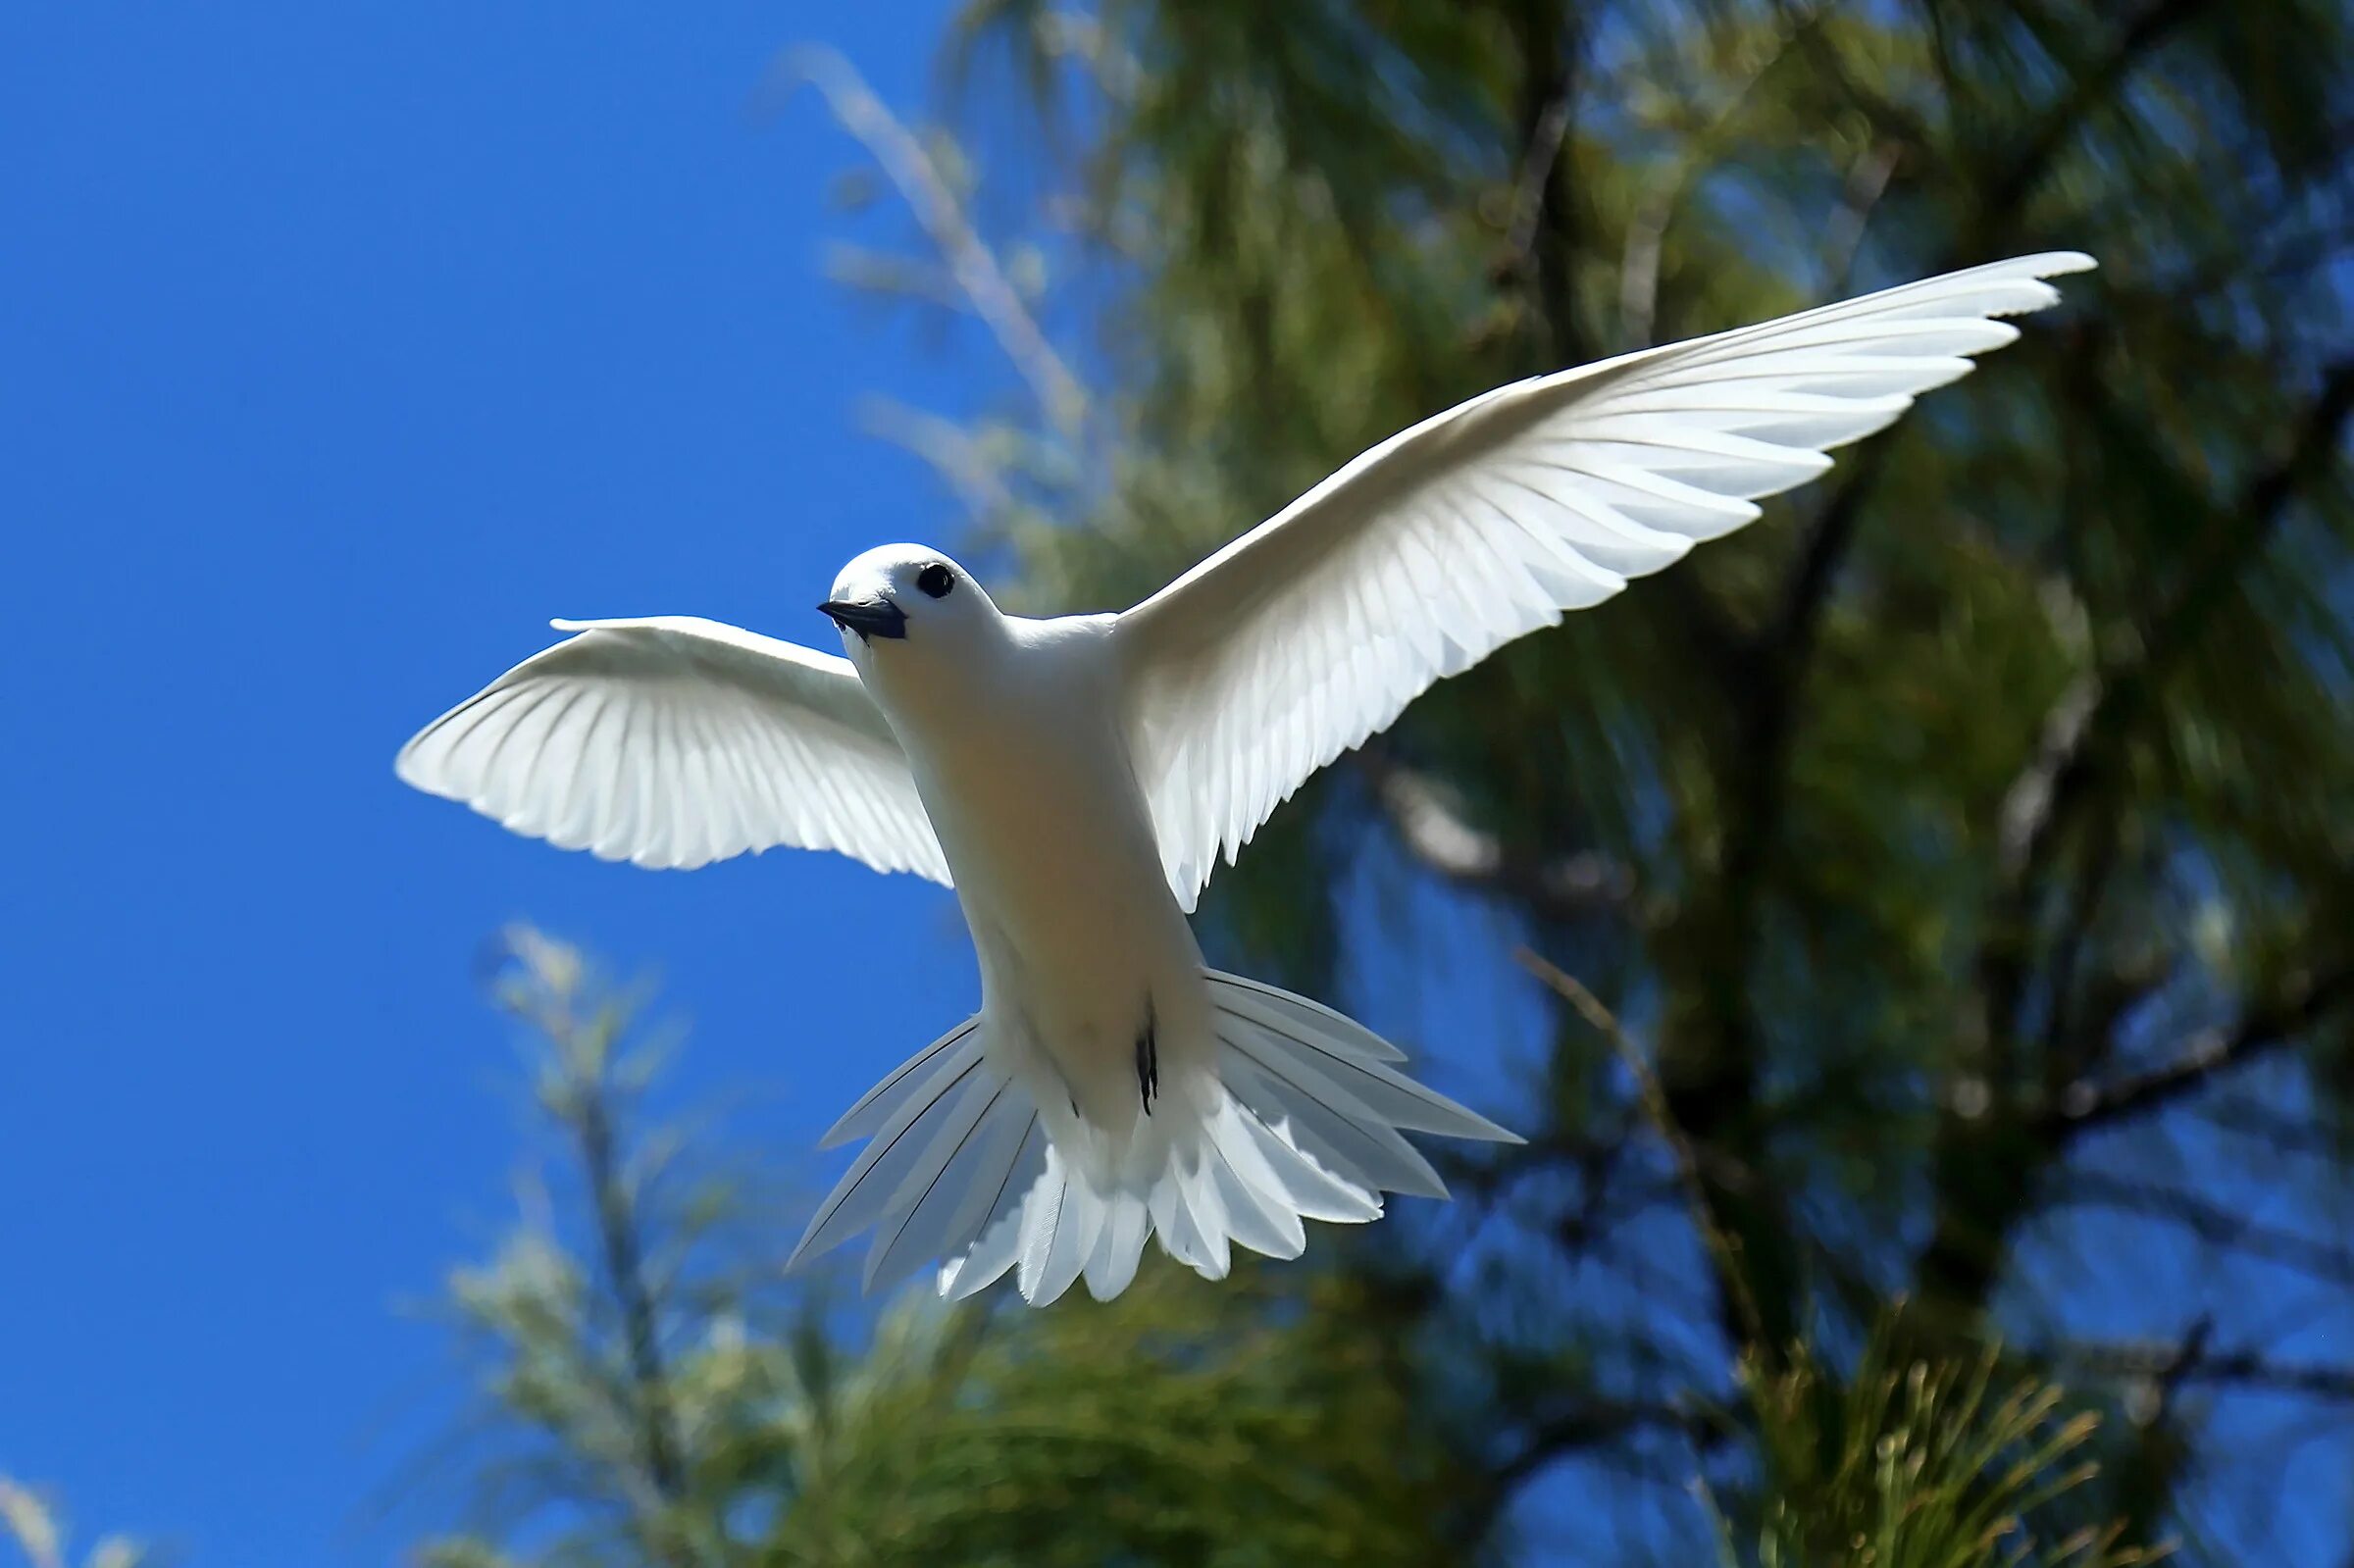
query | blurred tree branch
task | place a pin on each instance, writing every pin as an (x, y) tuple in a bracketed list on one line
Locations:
[(2076, 748), (2263, 1031), (1567, 887), (2081, 739), (1544, 230), (2090, 88), (935, 207), (2209, 1220), (2243, 1368), (37, 1528)]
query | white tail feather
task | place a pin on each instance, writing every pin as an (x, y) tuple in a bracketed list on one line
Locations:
[(1120, 1247), (1327, 1121), (999, 1241), (1304, 1122), (864, 1192), (933, 1205), (1313, 1018), (879, 1104)]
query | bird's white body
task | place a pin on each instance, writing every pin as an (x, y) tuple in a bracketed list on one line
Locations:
[(1098, 1041), (1076, 779), (1022, 762)]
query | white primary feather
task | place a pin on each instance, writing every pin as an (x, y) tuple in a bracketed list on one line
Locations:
[(1418, 559), (674, 741)]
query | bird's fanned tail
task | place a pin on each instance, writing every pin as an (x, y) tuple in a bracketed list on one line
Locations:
[(1305, 1122)]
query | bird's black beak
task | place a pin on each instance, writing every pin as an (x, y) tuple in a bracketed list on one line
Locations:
[(876, 618)]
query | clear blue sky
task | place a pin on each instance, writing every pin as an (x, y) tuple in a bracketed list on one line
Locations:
[(345, 345)]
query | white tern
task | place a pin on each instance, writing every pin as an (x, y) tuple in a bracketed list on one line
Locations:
[(1075, 780)]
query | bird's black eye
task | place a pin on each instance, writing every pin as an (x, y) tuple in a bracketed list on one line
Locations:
[(935, 581)]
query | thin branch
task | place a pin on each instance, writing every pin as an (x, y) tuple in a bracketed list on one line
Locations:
[(2264, 1030), (2246, 1369), (1687, 1165), (622, 1254), (1536, 174), (970, 261), (1552, 50), (2027, 803), (1843, 233), (2210, 1221), (2056, 782), (2087, 89), (31, 1524), (952, 450), (1647, 230), (1556, 888)]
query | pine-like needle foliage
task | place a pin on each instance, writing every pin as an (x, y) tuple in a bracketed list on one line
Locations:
[(1920, 1466)]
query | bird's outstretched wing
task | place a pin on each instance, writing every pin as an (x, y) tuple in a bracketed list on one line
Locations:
[(675, 742), (1427, 553)]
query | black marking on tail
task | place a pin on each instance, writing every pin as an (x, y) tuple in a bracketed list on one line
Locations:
[(1148, 1060)]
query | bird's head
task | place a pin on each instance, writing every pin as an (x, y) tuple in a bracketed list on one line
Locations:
[(910, 605)]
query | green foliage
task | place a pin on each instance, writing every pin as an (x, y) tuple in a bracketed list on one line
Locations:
[(1919, 1466), (1185, 1424)]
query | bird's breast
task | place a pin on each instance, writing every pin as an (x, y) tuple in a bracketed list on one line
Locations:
[(1052, 845), (1045, 824), (1084, 953)]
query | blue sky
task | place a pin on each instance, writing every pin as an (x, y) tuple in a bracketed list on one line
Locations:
[(344, 346)]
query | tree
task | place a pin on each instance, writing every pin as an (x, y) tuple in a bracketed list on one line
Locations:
[(1969, 840)]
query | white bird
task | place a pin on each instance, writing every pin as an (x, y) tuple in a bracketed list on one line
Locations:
[(1075, 780)]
